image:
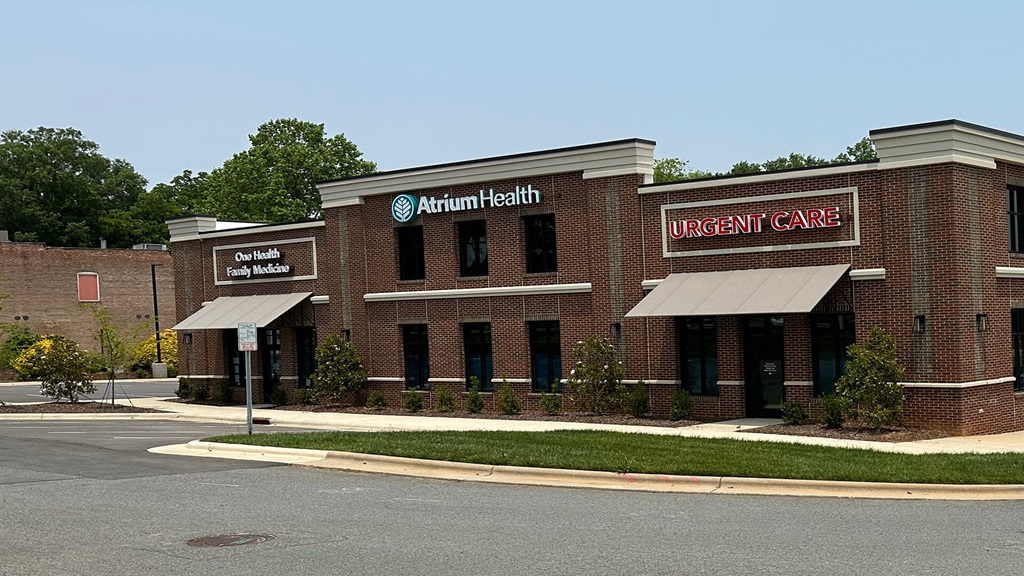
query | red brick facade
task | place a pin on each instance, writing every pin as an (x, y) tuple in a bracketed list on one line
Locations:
[(922, 236), (41, 285)]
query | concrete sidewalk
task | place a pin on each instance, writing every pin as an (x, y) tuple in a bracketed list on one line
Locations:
[(1009, 442)]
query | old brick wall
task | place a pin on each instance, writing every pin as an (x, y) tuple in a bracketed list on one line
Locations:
[(41, 284)]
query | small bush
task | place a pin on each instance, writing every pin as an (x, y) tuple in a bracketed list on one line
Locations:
[(184, 390), (871, 384), (143, 372), (17, 338), (411, 401), (474, 401), (144, 354), (595, 382), (551, 402), (445, 398), (377, 400), (793, 413), (339, 370), (835, 407), (306, 396), (63, 369), (508, 404), (225, 393), (279, 396), (200, 390), (639, 400), (682, 406)]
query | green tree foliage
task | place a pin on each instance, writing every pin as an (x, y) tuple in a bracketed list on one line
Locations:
[(116, 343), (17, 338), (672, 169), (339, 370), (60, 365), (272, 181), (144, 354), (55, 187), (871, 384), (595, 382)]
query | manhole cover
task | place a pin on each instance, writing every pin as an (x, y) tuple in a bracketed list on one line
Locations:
[(221, 540)]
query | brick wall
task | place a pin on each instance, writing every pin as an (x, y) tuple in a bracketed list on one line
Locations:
[(41, 284)]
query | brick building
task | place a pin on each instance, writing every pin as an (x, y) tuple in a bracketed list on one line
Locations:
[(46, 287), (743, 290)]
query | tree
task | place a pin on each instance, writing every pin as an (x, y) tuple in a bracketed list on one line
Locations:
[(595, 382), (862, 151), (55, 186), (870, 387), (116, 343), (672, 169), (60, 365), (275, 179), (339, 370)]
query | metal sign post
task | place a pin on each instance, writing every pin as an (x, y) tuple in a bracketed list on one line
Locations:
[(247, 343)]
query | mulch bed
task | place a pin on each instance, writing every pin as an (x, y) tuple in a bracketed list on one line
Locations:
[(851, 432), (620, 419), (69, 408)]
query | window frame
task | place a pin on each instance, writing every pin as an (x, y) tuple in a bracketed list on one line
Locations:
[(1017, 343), (478, 344), (841, 343), (95, 278), (410, 249), (472, 238), (305, 356), (707, 343), (541, 246), (235, 372), (545, 342), (413, 336), (1015, 218)]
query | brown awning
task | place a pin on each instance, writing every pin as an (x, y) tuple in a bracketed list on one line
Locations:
[(760, 291), (226, 312)]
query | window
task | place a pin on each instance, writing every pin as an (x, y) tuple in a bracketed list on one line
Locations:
[(410, 253), (697, 340), (234, 360), (473, 248), (1018, 347), (1015, 210), (305, 342), (831, 335), (88, 287), (476, 338), (417, 360), (541, 249), (545, 355)]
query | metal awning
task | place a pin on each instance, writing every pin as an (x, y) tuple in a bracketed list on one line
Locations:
[(760, 291), (226, 312)]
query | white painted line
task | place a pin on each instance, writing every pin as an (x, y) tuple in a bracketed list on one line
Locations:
[(148, 437), (214, 484), (77, 432)]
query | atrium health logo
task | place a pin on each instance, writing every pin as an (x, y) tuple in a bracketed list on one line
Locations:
[(403, 208)]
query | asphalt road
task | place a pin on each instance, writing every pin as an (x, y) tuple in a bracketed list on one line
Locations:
[(16, 393), (82, 498)]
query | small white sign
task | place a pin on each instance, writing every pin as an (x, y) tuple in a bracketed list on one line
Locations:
[(247, 337)]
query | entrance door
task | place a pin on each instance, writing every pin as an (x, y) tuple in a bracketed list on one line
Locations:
[(763, 350)]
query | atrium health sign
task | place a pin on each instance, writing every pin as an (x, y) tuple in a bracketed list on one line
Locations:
[(407, 208)]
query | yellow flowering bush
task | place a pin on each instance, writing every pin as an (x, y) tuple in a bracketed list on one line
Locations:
[(28, 364), (61, 366), (145, 351)]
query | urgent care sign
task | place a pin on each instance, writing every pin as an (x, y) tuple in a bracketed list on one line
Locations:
[(689, 229)]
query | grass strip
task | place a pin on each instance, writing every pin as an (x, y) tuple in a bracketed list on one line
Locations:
[(654, 454)]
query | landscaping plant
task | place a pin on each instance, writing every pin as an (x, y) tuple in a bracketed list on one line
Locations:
[(682, 406), (17, 338), (871, 383), (377, 400), (144, 354), (445, 398), (474, 402), (551, 402), (793, 413), (412, 401), (639, 400), (508, 404), (339, 370), (595, 382), (61, 366)]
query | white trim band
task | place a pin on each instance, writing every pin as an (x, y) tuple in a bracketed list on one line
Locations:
[(868, 274), (446, 380), (511, 380), (385, 379), (323, 299), (797, 383), (758, 178), (656, 382), (540, 289), (973, 384), (1009, 272)]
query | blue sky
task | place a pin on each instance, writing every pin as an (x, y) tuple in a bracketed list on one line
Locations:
[(180, 84)]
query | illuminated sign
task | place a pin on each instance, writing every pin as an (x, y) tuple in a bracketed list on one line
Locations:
[(406, 207), (781, 221)]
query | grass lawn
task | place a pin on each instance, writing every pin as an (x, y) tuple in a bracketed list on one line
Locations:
[(653, 454)]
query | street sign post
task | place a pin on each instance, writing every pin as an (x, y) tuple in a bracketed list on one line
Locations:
[(247, 343)]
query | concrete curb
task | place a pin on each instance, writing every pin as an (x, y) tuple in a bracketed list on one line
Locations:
[(465, 472)]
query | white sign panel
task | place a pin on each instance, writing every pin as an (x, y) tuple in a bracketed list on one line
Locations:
[(246, 336)]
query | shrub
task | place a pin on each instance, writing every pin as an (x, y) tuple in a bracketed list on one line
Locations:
[(682, 406), (551, 402), (306, 396), (200, 390), (225, 393), (871, 383), (835, 407), (411, 401), (142, 372), (595, 382), (339, 370), (184, 390), (445, 398), (377, 400), (639, 400), (17, 338), (63, 369), (474, 402), (28, 364), (279, 396), (794, 413), (144, 354), (508, 403)]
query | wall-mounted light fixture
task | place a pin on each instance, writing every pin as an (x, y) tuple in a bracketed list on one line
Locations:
[(919, 324), (982, 321)]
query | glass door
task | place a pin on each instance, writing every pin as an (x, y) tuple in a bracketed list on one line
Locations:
[(763, 351)]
